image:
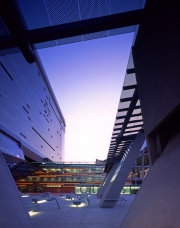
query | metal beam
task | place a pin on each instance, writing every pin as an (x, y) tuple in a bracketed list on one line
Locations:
[(129, 87), (135, 121), (77, 28), (86, 26), (130, 71), (125, 123)]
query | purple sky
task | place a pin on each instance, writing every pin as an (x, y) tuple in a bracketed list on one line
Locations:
[(87, 80)]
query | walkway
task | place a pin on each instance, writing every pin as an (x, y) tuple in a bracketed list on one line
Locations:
[(49, 216)]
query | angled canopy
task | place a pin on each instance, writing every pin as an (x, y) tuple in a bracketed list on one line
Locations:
[(128, 120)]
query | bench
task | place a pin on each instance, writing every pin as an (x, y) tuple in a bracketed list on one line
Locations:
[(77, 202), (69, 197)]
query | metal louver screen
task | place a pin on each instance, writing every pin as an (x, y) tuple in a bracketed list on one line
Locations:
[(66, 11)]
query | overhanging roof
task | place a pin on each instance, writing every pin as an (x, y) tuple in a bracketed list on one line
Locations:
[(128, 121), (28, 25)]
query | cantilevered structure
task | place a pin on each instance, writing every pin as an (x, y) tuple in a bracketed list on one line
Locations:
[(126, 142), (128, 120)]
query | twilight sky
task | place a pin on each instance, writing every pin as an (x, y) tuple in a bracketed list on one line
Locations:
[(87, 80)]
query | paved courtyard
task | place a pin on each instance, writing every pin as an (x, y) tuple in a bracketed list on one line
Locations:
[(84, 216)]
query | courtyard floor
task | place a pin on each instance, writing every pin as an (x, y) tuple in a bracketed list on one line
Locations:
[(83, 216)]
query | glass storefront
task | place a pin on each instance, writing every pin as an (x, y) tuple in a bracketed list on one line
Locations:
[(130, 189), (87, 189)]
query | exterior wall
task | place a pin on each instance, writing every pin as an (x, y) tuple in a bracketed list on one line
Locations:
[(157, 202), (156, 60), (29, 110), (9, 146)]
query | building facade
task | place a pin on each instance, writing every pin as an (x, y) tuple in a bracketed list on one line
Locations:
[(77, 177), (32, 126), (64, 178)]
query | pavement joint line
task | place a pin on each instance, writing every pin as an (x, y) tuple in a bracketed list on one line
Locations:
[(81, 215)]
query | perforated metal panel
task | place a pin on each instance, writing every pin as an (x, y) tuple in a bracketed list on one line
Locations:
[(64, 11), (60, 12)]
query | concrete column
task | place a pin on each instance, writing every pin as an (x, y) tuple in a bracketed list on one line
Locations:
[(12, 210), (118, 180), (107, 180), (157, 202)]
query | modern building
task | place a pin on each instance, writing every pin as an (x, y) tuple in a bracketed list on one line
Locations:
[(155, 55), (74, 177), (78, 177), (32, 126)]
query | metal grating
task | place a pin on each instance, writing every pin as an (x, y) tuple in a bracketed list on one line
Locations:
[(94, 8), (48, 13), (60, 12), (73, 39), (95, 35)]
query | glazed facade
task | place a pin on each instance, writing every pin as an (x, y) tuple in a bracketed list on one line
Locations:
[(81, 177), (64, 178), (31, 122)]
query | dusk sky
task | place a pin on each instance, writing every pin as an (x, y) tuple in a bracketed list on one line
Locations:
[(87, 79)]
